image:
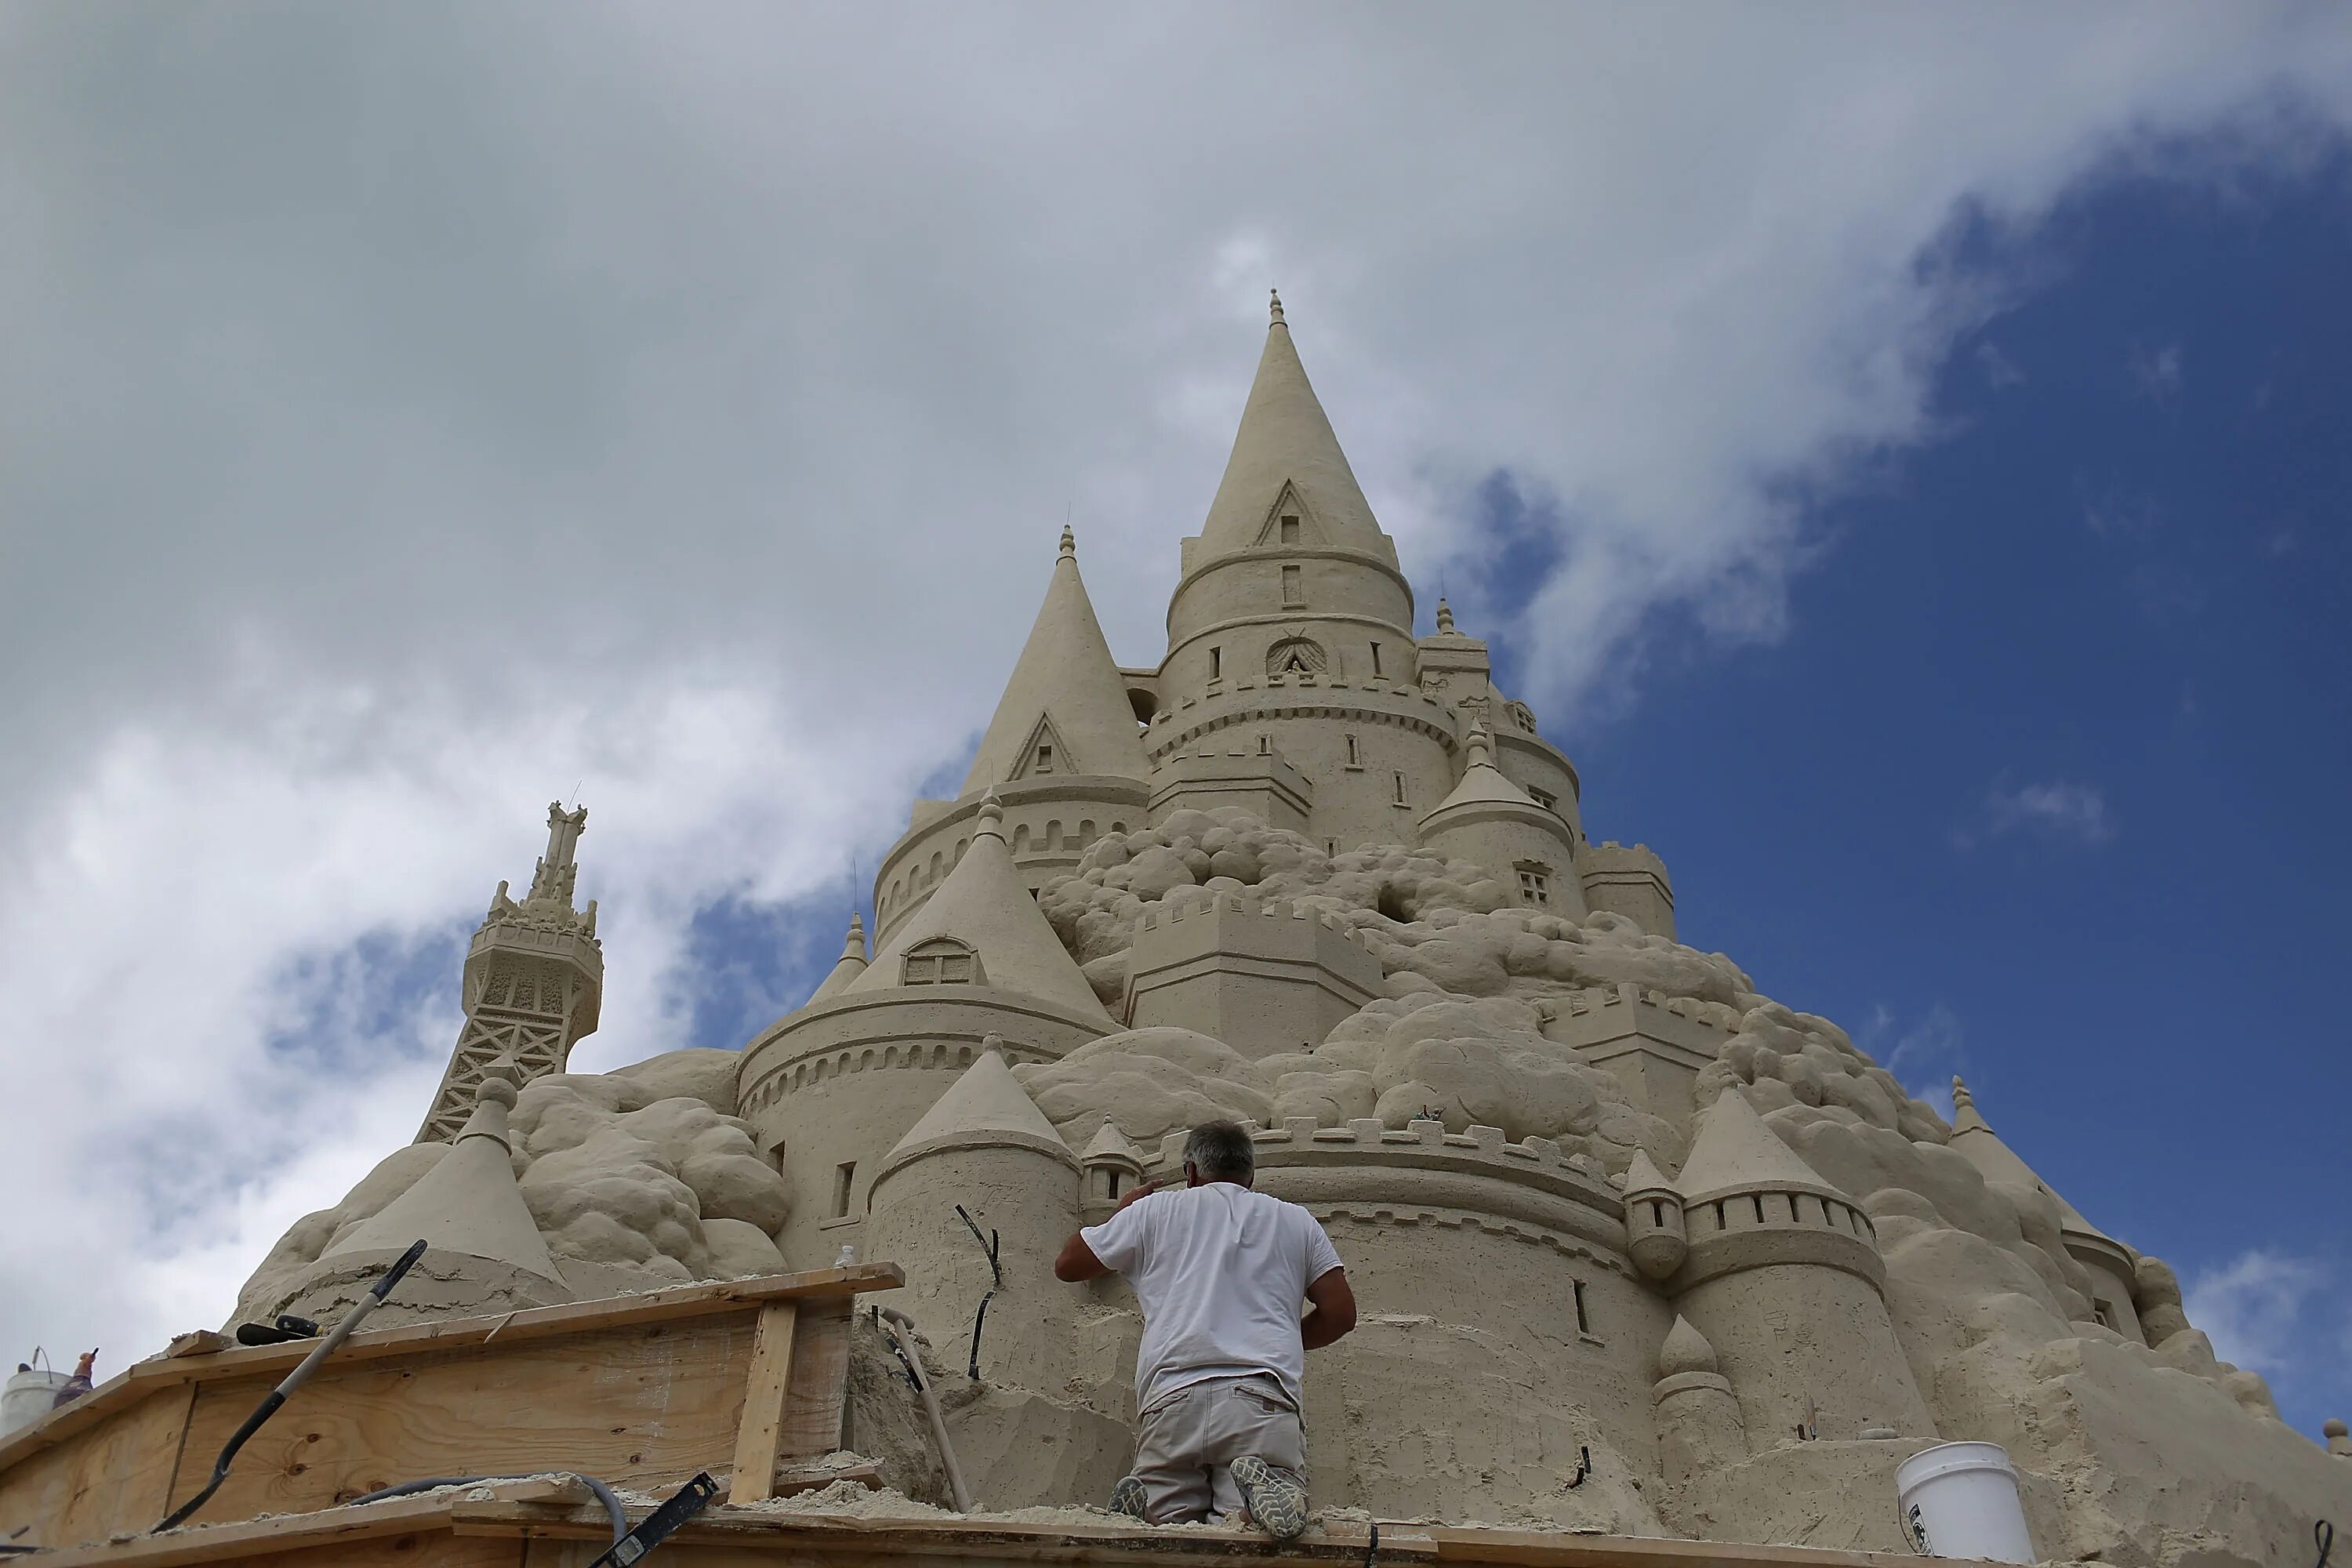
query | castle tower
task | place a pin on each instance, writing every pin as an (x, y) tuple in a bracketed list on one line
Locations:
[(533, 979), (1455, 668), (851, 964), (1699, 1424), (1262, 977), (1490, 820), (2110, 1263), (985, 1151), (1654, 1237), (1111, 1167), (1291, 621), (1630, 881), (836, 1084), (484, 1251), (1785, 1281), (1063, 752)]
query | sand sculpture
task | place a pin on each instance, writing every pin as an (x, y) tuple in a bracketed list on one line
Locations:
[(1640, 1249)]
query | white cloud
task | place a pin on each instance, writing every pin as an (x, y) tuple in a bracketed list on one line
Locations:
[(2060, 809), (1923, 1056), (2255, 1309), (410, 413), (2155, 374)]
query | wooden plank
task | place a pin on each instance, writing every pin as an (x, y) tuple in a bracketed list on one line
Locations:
[(817, 1396), (757, 1436), (642, 1406), (125, 1388), (117, 1477), (341, 1527), (1544, 1549)]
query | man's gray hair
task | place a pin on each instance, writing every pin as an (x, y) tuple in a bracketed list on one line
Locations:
[(1221, 1151)]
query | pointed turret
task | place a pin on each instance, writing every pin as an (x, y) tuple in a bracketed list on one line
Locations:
[(1482, 782), (1065, 710), (1685, 1349), (2111, 1263), (1111, 1166), (1286, 444), (467, 1205), (1735, 1152), (851, 965), (982, 910), (1656, 1235), (986, 1108)]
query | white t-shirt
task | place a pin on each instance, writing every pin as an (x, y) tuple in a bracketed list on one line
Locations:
[(1222, 1272)]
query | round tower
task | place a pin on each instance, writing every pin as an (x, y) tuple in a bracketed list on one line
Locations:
[(973, 1203), (1479, 1264), (1292, 622), (1654, 1219), (833, 1087), (1492, 822), (1699, 1424), (1784, 1280)]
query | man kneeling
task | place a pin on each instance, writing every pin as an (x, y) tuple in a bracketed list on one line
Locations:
[(1220, 1271)]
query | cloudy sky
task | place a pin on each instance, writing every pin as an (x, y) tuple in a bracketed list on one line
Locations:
[(1902, 452)]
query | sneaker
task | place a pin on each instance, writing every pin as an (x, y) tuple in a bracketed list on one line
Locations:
[(1275, 1499), (1128, 1497)]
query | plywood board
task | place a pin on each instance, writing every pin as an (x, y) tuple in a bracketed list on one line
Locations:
[(643, 1406), (115, 1479)]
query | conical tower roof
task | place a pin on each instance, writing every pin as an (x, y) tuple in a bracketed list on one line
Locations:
[(1973, 1136), (1482, 783), (1109, 1143), (983, 904), (1642, 1176), (851, 965), (468, 1202), (1286, 438), (986, 1108), (1735, 1152), (1065, 694)]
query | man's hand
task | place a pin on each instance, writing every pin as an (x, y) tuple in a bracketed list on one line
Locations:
[(1138, 1194), (1334, 1314)]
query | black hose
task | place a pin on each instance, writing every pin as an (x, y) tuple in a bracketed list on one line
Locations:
[(603, 1493), (2324, 1533), (294, 1380)]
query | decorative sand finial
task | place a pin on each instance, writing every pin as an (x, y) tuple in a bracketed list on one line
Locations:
[(1069, 541), (1480, 745), (1445, 617), (1276, 308), (1961, 1098), (992, 815)]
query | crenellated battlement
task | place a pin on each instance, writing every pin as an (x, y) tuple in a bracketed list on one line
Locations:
[(1263, 977), (1238, 904), (1421, 1175)]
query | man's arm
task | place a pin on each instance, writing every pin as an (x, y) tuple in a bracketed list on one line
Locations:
[(1077, 1263), (1335, 1310)]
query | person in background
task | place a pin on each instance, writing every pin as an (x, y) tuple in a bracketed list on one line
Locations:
[(1219, 1270), (79, 1384)]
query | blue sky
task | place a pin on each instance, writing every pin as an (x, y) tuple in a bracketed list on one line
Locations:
[(2046, 782)]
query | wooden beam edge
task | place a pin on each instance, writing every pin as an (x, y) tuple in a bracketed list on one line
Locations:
[(127, 1387)]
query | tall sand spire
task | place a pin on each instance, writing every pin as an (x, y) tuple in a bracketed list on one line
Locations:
[(1286, 439), (1065, 710)]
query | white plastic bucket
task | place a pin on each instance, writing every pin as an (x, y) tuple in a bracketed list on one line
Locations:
[(31, 1393), (1960, 1500)]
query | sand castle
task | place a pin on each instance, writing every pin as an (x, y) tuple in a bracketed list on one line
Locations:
[(1639, 1249)]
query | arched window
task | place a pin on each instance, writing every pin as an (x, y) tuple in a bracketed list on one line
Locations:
[(941, 961)]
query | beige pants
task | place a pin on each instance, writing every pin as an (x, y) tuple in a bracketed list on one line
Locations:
[(1188, 1440)]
